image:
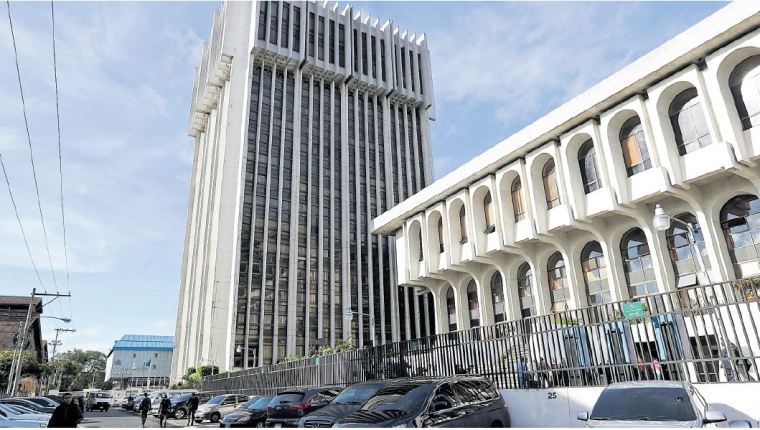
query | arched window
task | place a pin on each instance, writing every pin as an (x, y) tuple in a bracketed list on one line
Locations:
[(472, 302), (419, 243), (740, 221), (488, 212), (587, 162), (550, 184), (594, 274), (682, 255), (557, 282), (744, 83), (451, 305), (517, 202), (635, 153), (637, 263), (525, 290), (688, 121), (463, 224), (440, 235), (497, 298)]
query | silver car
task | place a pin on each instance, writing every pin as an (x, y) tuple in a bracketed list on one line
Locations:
[(653, 404)]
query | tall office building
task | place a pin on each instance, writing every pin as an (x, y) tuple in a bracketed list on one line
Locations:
[(309, 121)]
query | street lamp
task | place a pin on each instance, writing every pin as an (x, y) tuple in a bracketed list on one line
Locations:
[(350, 315), (662, 222), (66, 320)]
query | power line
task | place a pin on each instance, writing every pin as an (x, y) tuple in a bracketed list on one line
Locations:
[(29, 141), (60, 157), (20, 224)]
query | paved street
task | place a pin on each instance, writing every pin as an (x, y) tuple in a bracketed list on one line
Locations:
[(118, 418)]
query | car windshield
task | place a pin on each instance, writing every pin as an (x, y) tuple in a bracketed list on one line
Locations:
[(357, 394), (287, 398), (5, 410), (101, 395), (409, 397), (257, 404), (180, 398), (644, 404), (216, 400)]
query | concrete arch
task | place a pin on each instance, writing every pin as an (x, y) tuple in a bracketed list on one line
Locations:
[(723, 72), (435, 244), (507, 210), (535, 170), (455, 230)]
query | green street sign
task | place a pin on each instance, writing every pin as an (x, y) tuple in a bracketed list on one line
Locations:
[(633, 310)]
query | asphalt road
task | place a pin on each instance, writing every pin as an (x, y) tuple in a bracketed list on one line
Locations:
[(119, 418)]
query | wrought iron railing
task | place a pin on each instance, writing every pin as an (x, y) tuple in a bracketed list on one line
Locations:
[(701, 334)]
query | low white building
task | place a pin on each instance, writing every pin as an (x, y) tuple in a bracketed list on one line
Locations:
[(560, 214), (140, 360)]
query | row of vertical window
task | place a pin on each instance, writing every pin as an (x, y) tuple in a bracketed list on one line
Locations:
[(322, 34)]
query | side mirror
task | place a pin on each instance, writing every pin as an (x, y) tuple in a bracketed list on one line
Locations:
[(582, 415), (740, 424), (714, 417), (439, 405)]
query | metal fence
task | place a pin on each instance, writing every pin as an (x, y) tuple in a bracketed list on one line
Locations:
[(701, 334)]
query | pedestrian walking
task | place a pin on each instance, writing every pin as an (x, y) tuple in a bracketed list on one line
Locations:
[(80, 400), (144, 409), (163, 410), (522, 368), (657, 369), (67, 414), (192, 406)]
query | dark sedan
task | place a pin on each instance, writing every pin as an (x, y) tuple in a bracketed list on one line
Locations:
[(442, 402), (347, 402), (252, 413), (288, 407)]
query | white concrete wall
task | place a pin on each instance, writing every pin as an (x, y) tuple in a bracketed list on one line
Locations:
[(557, 407)]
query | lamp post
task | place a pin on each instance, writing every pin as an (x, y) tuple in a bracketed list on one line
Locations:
[(239, 349), (350, 315), (662, 222)]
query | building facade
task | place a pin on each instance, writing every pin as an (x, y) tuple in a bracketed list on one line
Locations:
[(140, 360), (13, 313), (561, 214), (309, 121)]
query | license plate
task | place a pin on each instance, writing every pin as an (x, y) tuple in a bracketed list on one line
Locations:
[(277, 425)]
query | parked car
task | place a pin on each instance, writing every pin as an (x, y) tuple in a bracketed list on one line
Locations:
[(178, 408), (653, 404), (219, 406), (136, 403), (29, 405), (5, 423), (54, 397), (288, 407), (252, 413), (42, 401), (10, 413), (99, 400), (346, 403), (460, 401)]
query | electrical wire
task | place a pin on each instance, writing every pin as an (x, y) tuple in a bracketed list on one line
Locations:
[(31, 150), (20, 224), (60, 156)]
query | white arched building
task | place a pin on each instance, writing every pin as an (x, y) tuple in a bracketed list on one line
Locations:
[(560, 215)]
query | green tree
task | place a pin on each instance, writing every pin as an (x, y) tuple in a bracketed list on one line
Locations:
[(30, 367), (81, 369)]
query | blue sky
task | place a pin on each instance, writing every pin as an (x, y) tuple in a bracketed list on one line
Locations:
[(125, 73)]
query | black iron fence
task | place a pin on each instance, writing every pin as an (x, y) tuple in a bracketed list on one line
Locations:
[(701, 334)]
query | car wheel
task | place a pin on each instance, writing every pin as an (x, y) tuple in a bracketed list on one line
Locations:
[(179, 414), (260, 424), (497, 424), (215, 418)]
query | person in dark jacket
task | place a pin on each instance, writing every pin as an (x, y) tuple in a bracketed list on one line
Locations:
[(163, 410), (66, 415), (144, 409), (192, 407)]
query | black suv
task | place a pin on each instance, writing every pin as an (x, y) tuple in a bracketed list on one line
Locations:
[(288, 407), (459, 401), (347, 402), (252, 413)]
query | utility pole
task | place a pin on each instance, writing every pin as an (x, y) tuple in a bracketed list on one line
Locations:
[(57, 342), (20, 361), (16, 350)]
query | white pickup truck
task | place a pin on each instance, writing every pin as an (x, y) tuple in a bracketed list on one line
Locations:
[(100, 400)]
